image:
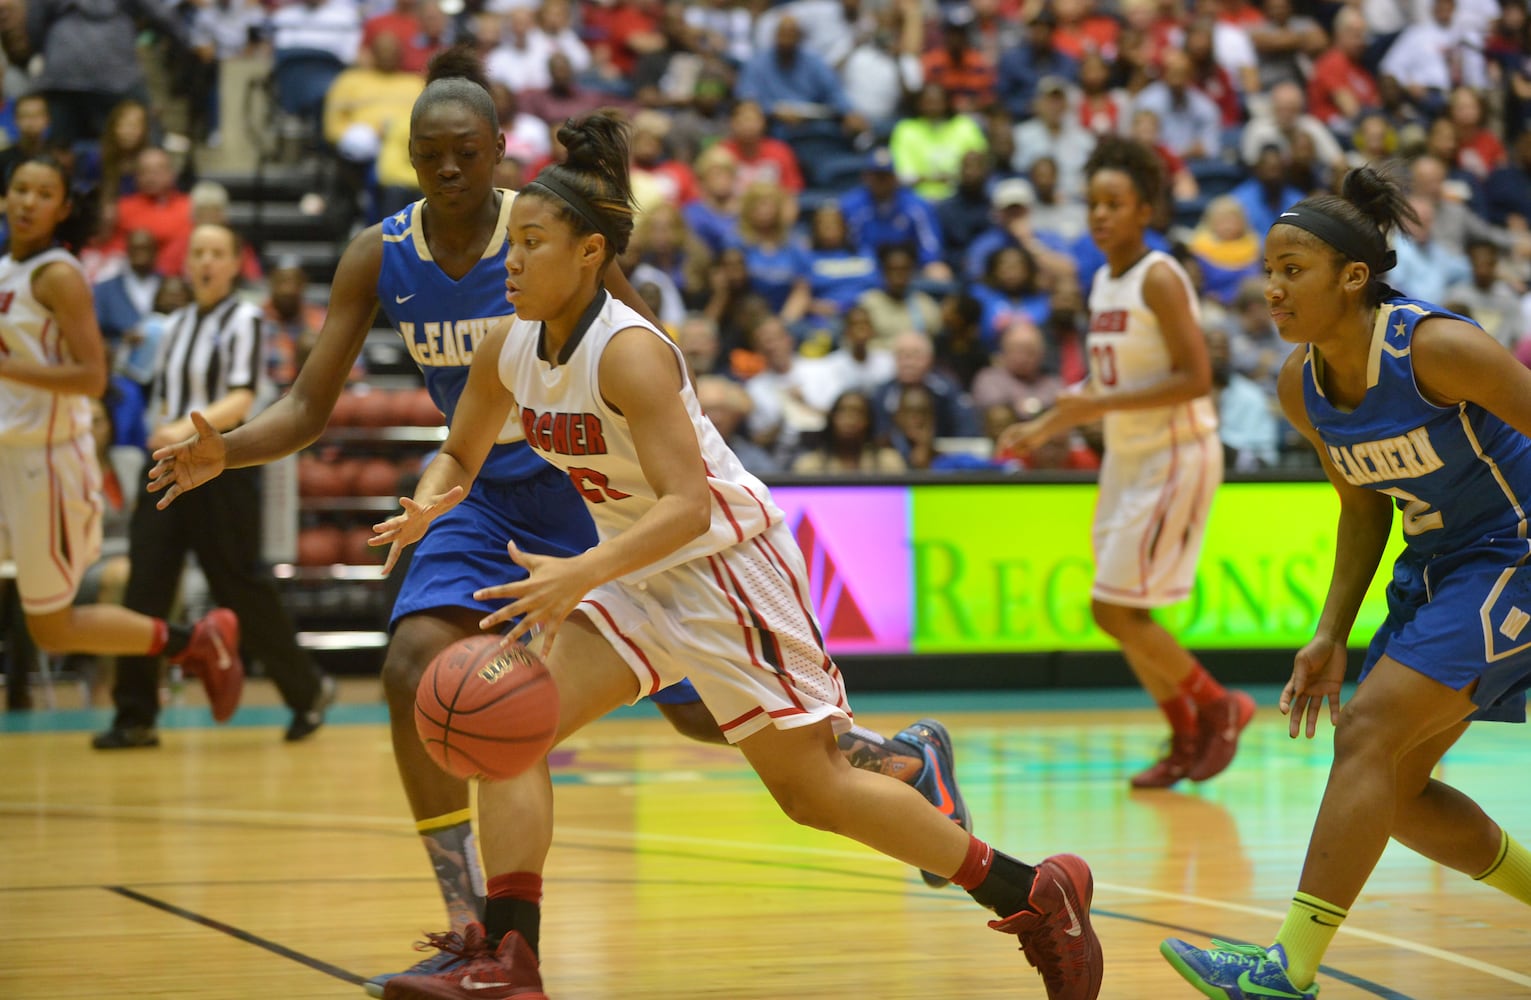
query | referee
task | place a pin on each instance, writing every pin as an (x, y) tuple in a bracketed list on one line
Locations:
[(212, 360)]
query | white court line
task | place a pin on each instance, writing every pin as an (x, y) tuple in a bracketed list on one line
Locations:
[(295, 819)]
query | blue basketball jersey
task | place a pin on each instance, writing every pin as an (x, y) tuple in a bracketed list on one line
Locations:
[(1458, 473), (443, 321)]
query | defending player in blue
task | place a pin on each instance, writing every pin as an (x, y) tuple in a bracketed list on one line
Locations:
[(1408, 405)]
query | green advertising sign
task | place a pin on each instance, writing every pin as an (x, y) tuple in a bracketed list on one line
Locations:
[(1008, 568)]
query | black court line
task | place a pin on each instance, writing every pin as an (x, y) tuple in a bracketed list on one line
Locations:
[(240, 935)]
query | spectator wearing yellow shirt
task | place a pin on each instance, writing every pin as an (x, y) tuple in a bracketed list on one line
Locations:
[(365, 102)]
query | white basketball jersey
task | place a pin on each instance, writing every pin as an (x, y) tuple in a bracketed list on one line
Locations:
[(31, 416), (1127, 352), (568, 423)]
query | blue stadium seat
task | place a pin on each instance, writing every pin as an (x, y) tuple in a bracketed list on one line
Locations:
[(301, 78), (1215, 177), (834, 171)]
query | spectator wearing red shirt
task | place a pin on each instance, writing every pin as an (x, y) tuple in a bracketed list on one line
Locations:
[(618, 33), (1081, 30), (966, 74), (156, 205), (760, 157), (403, 23), (1341, 88), (1479, 151), (209, 206)]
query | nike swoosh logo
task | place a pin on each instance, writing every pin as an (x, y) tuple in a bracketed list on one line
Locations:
[(1075, 928), (1251, 989), (224, 660), (1285, 215), (1314, 917), (467, 983), (401, 299), (946, 804)]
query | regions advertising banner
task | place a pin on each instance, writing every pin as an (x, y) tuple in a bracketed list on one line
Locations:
[(986, 568)]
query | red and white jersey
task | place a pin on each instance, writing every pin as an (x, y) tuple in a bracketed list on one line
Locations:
[(1128, 352), (569, 424), (31, 416)]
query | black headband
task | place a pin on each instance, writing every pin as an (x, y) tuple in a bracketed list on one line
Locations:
[(581, 205), (1344, 237)]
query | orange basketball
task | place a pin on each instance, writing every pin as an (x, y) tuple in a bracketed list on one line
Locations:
[(486, 712)]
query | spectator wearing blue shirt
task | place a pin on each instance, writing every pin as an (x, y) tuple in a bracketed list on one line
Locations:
[(714, 217), (1021, 68), (793, 85), (1010, 289), (1266, 194), (122, 301), (1190, 123), (1426, 265), (1507, 191), (880, 211), (838, 273), (778, 266)]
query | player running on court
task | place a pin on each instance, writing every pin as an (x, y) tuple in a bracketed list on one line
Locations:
[(1150, 380), (695, 574), (52, 362), (1408, 405), (437, 269)]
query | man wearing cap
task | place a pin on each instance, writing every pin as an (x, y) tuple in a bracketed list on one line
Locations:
[(1012, 200), (1056, 133), (880, 211)]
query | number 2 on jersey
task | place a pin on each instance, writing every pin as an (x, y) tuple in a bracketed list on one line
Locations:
[(1418, 517)]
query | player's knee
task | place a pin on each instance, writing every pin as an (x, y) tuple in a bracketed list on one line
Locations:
[(807, 803), (404, 665), (1114, 619), (1364, 730), (52, 633), (694, 722)]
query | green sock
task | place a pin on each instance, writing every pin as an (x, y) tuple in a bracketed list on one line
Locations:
[(1310, 926), (1511, 871)]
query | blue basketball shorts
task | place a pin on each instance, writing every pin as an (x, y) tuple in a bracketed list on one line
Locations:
[(1464, 617), (464, 549)]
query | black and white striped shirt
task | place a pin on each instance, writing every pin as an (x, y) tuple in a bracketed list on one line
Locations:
[(206, 356)]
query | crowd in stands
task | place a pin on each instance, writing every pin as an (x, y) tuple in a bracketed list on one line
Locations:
[(864, 221)]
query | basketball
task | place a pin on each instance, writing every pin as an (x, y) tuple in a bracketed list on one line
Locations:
[(486, 712)]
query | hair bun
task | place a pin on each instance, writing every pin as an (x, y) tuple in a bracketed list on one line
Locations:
[(460, 62), (591, 140)]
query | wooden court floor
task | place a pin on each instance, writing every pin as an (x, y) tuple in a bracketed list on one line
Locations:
[(230, 865)]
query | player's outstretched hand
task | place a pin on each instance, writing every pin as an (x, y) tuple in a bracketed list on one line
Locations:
[(1020, 438), (188, 464), (552, 589), (1318, 671), (409, 526)]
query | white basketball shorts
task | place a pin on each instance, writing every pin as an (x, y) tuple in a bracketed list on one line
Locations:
[(1150, 519), (740, 626)]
